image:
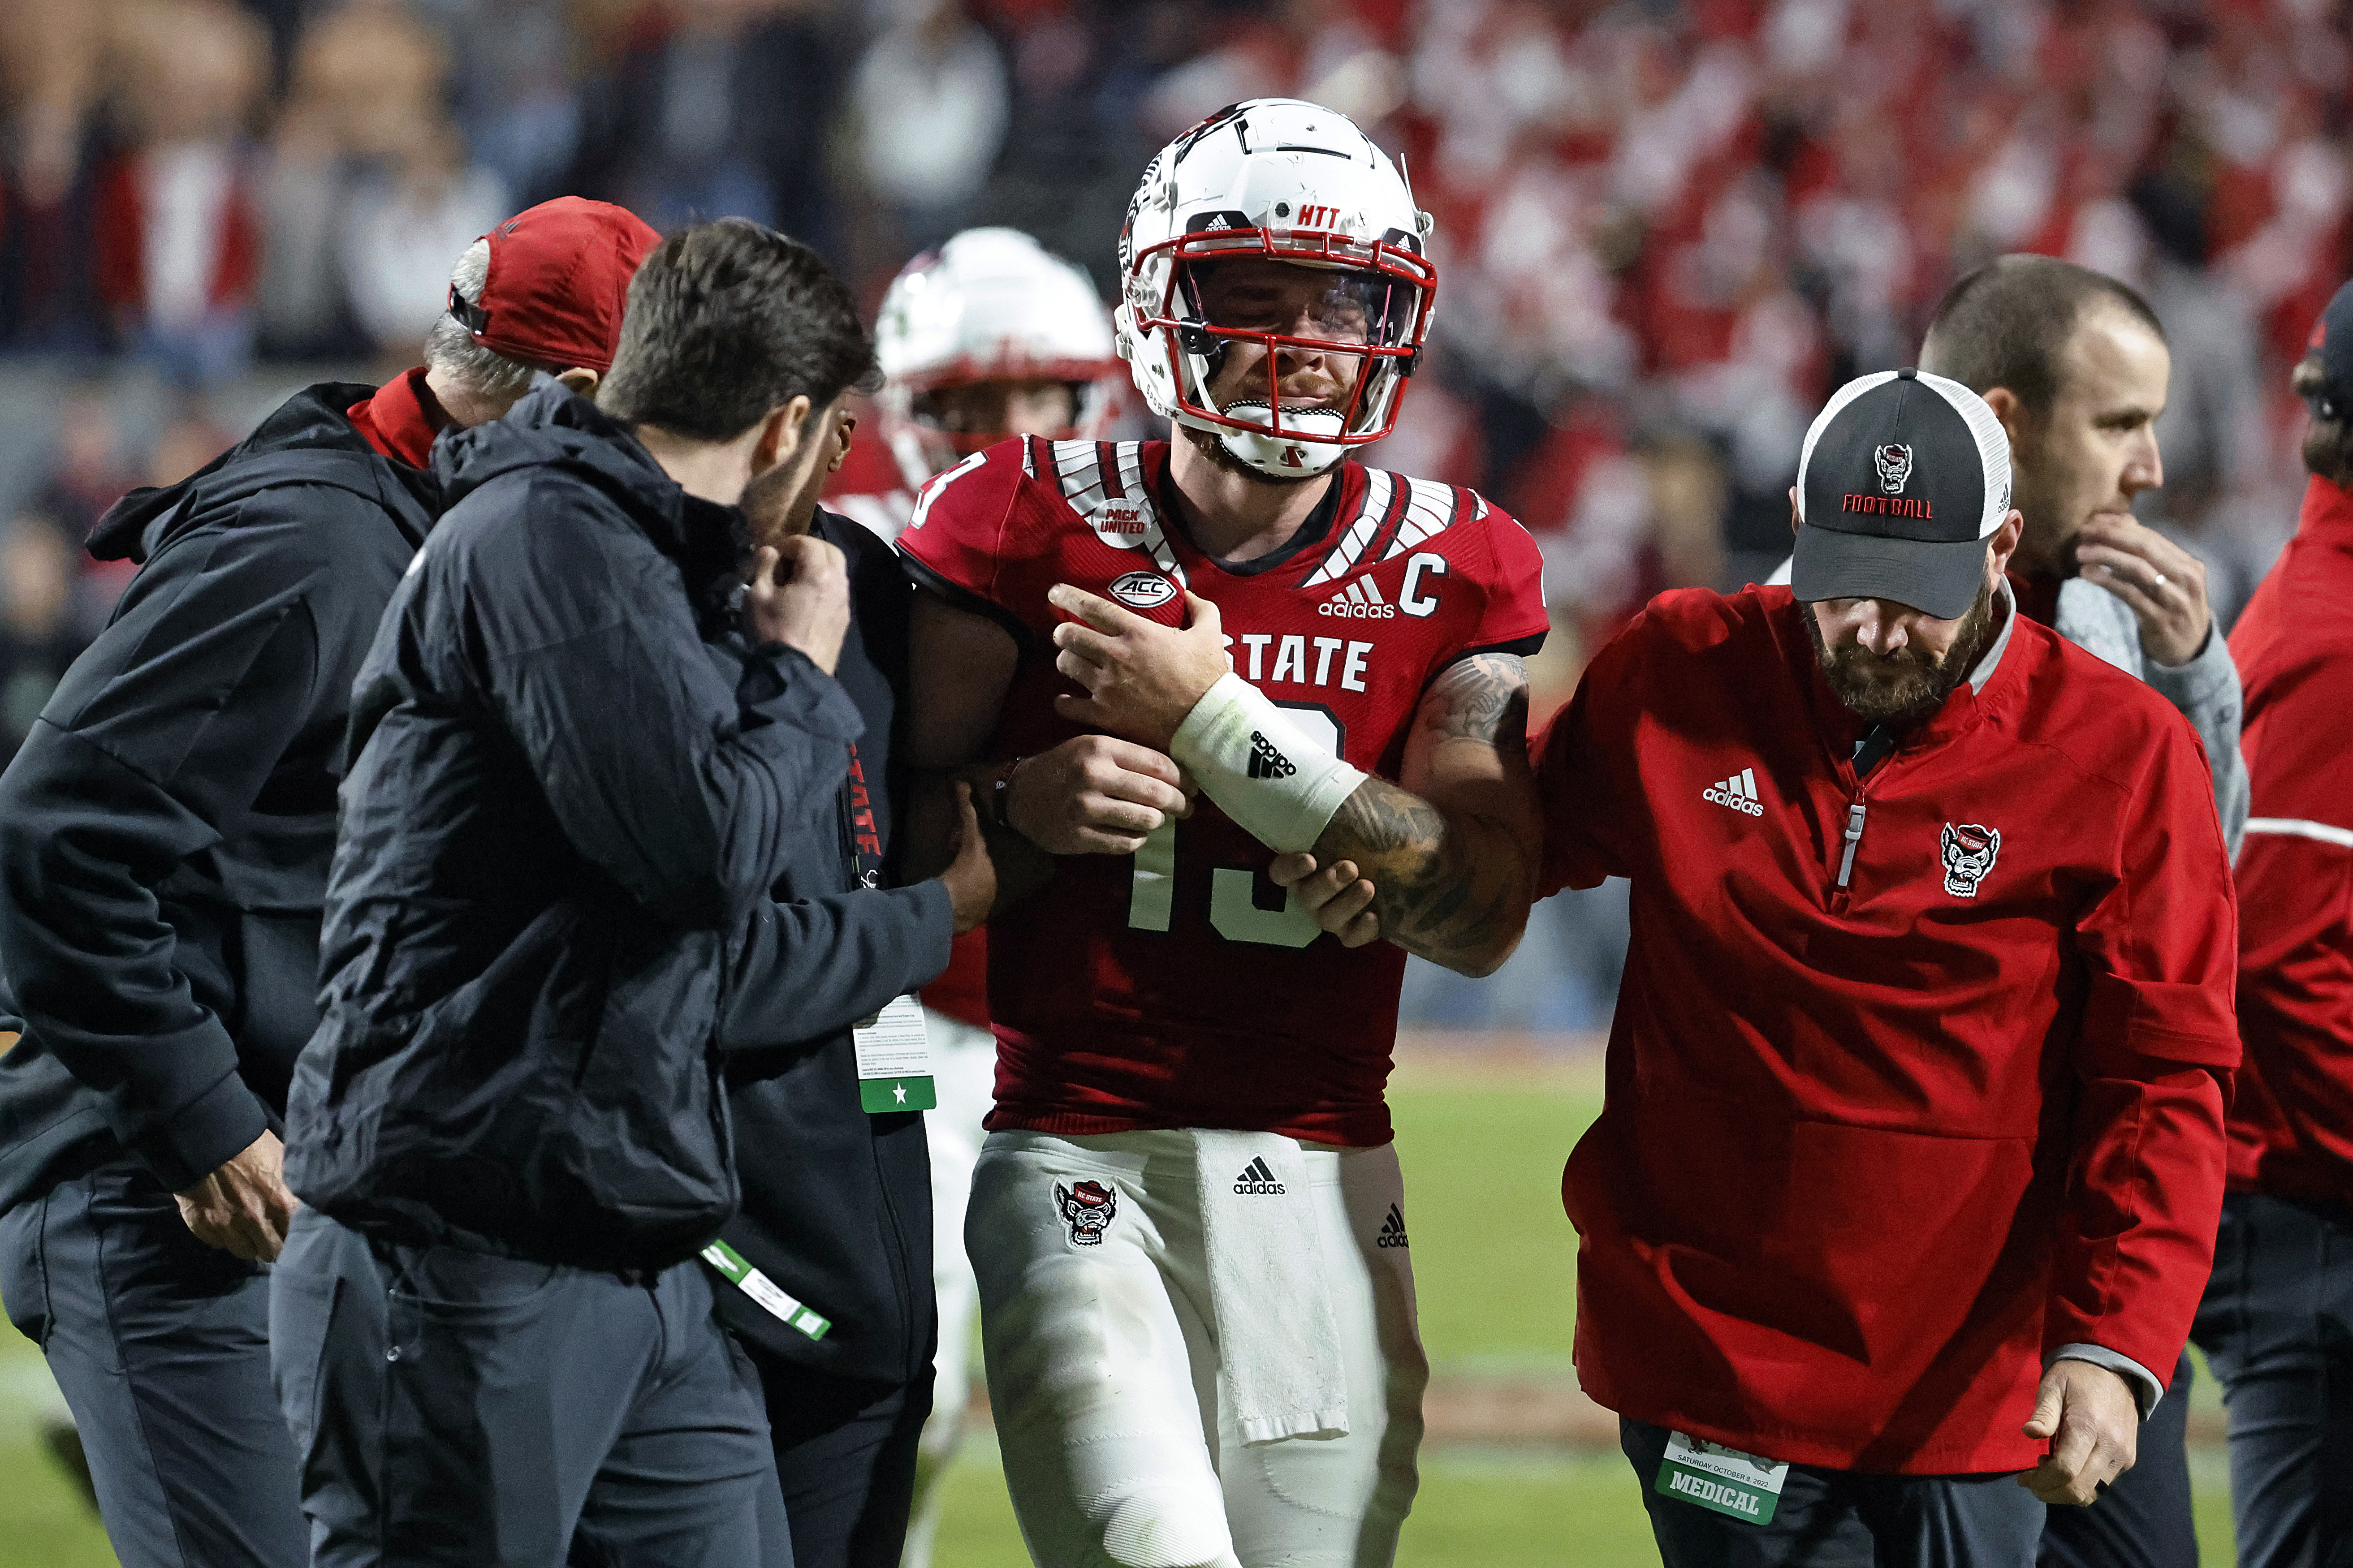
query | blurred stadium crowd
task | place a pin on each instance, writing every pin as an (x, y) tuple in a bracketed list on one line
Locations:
[(1664, 230)]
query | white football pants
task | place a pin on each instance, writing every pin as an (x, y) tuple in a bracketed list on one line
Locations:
[(1120, 1447)]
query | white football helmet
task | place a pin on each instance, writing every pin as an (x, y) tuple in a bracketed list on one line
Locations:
[(1281, 178), (992, 304)]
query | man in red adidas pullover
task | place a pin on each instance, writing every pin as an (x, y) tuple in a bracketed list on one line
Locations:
[(1912, 1144), (2277, 1323)]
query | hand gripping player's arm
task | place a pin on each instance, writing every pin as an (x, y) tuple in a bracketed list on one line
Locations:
[(1094, 795), (1450, 851)]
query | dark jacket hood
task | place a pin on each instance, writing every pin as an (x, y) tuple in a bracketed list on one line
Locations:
[(555, 427), (312, 423)]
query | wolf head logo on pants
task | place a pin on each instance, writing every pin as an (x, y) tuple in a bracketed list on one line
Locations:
[(1969, 850), (1089, 1206)]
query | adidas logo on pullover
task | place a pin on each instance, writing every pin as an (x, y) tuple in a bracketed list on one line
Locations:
[(1739, 791), (1258, 1178), (1392, 1229)]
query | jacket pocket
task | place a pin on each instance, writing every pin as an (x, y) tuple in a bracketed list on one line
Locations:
[(25, 1271), (301, 1315), (645, 1126)]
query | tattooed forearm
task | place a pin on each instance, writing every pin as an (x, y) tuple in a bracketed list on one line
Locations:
[(1452, 883)]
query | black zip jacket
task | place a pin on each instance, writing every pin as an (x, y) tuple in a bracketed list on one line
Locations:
[(557, 814), (838, 1204), (165, 831)]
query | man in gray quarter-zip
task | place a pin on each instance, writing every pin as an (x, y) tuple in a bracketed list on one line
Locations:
[(2075, 364)]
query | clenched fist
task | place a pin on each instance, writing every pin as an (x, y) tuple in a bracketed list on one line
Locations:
[(800, 596)]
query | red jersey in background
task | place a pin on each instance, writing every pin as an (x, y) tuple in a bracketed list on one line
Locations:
[(2292, 1121), (1172, 989)]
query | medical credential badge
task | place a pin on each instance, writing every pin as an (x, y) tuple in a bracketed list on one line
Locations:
[(1745, 1486)]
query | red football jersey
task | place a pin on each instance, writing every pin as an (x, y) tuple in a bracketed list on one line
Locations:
[(1172, 988)]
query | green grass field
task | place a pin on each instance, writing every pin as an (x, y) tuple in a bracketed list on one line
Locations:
[(1494, 1260)]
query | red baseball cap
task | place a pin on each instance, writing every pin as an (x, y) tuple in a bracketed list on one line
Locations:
[(559, 279)]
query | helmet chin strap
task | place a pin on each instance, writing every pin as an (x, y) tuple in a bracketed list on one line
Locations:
[(1290, 455)]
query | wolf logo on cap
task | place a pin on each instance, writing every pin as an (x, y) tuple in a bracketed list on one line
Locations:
[(1894, 461)]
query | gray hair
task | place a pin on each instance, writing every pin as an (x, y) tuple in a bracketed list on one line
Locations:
[(451, 350)]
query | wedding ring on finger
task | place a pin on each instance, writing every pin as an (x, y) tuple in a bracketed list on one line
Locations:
[(2160, 579)]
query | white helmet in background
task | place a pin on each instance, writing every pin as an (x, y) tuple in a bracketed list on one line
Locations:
[(992, 304), (1294, 182)]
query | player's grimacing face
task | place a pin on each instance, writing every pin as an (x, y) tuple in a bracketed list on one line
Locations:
[(1285, 298)]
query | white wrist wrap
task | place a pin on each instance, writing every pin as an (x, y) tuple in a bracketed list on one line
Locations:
[(1259, 768)]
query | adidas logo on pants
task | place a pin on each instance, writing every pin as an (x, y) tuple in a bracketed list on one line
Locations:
[(1258, 1177)]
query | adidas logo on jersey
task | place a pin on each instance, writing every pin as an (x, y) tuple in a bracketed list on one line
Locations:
[(1739, 791), (1361, 602), (1265, 762), (1392, 1229), (1258, 1179)]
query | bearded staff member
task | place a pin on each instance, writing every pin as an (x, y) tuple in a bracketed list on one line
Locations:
[(2075, 365), (1905, 1184)]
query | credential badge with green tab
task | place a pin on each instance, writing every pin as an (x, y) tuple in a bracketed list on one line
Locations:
[(894, 1060), (1745, 1486)]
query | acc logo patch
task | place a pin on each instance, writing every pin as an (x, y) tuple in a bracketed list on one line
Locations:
[(1145, 590), (1968, 852), (1089, 1207)]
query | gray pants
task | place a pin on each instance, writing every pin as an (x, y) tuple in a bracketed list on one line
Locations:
[(161, 1345), (1844, 1518), (2276, 1326), (452, 1408)]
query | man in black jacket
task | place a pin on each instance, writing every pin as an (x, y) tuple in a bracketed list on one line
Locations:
[(164, 838), (579, 767)]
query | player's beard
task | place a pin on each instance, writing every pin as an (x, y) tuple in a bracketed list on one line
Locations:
[(1904, 687)]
